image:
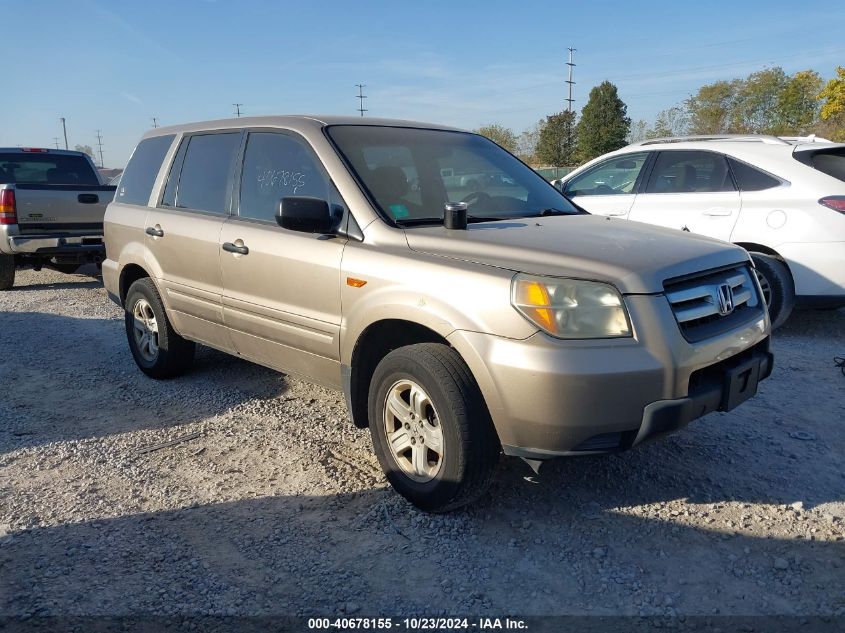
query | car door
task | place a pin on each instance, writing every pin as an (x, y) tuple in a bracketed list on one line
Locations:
[(690, 190), (183, 235), (281, 294), (608, 187)]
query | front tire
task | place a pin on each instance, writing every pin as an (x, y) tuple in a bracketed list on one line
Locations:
[(156, 347), (7, 271), (777, 286), (430, 427)]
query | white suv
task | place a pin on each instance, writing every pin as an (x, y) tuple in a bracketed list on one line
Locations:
[(782, 199)]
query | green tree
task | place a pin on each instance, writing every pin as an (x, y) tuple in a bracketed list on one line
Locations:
[(604, 123), (797, 104), (500, 134), (556, 143), (710, 109), (755, 109), (87, 149), (832, 113)]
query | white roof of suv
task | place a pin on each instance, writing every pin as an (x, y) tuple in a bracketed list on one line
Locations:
[(771, 153)]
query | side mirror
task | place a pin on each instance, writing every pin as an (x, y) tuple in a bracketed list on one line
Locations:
[(306, 215)]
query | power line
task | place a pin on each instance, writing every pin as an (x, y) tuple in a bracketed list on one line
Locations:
[(569, 81), (238, 109), (100, 145), (361, 97), (64, 130), (56, 141)]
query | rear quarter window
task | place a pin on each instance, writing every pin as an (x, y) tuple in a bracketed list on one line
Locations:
[(137, 181), (750, 178)]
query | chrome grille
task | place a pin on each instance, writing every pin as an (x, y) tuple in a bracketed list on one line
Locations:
[(713, 302)]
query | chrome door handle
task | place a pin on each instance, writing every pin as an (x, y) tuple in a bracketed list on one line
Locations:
[(234, 248), (154, 231), (717, 211)]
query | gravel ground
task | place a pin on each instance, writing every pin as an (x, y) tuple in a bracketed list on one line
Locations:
[(271, 502)]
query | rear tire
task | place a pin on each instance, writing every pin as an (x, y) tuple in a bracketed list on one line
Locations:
[(156, 347), (7, 271), (443, 450), (777, 285)]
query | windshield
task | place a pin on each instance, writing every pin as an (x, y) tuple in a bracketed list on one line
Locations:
[(411, 173)]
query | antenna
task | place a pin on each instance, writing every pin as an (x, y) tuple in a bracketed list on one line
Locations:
[(155, 122), (238, 109), (569, 81), (361, 97)]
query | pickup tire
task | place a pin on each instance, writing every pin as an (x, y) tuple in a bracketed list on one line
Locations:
[(156, 347), (430, 427), (7, 271), (777, 285)]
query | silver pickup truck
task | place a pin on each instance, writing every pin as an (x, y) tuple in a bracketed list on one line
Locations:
[(52, 204), (460, 319)]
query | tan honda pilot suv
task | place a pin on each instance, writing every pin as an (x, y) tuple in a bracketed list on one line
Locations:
[(461, 303)]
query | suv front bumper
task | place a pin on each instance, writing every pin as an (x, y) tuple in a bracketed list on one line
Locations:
[(550, 398)]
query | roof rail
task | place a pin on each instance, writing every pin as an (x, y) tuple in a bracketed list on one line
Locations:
[(810, 138), (758, 138)]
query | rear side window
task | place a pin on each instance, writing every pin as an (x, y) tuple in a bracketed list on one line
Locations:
[(277, 166), (207, 172), (26, 168), (830, 162), (689, 172), (136, 184), (750, 178)]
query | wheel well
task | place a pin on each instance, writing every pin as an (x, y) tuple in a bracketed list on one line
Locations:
[(128, 276), (759, 248), (376, 342)]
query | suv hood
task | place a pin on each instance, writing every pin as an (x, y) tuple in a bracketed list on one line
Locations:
[(635, 257)]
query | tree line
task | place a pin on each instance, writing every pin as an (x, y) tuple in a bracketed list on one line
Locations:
[(768, 101)]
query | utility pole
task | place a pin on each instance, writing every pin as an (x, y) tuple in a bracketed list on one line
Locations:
[(569, 81), (100, 144), (56, 141), (155, 122), (64, 129), (238, 109), (361, 97)]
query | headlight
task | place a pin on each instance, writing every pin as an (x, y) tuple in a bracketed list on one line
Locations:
[(570, 308)]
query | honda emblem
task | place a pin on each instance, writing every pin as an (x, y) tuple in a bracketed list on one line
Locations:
[(725, 295)]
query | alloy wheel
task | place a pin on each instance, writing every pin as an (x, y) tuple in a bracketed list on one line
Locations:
[(413, 431), (145, 330)]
